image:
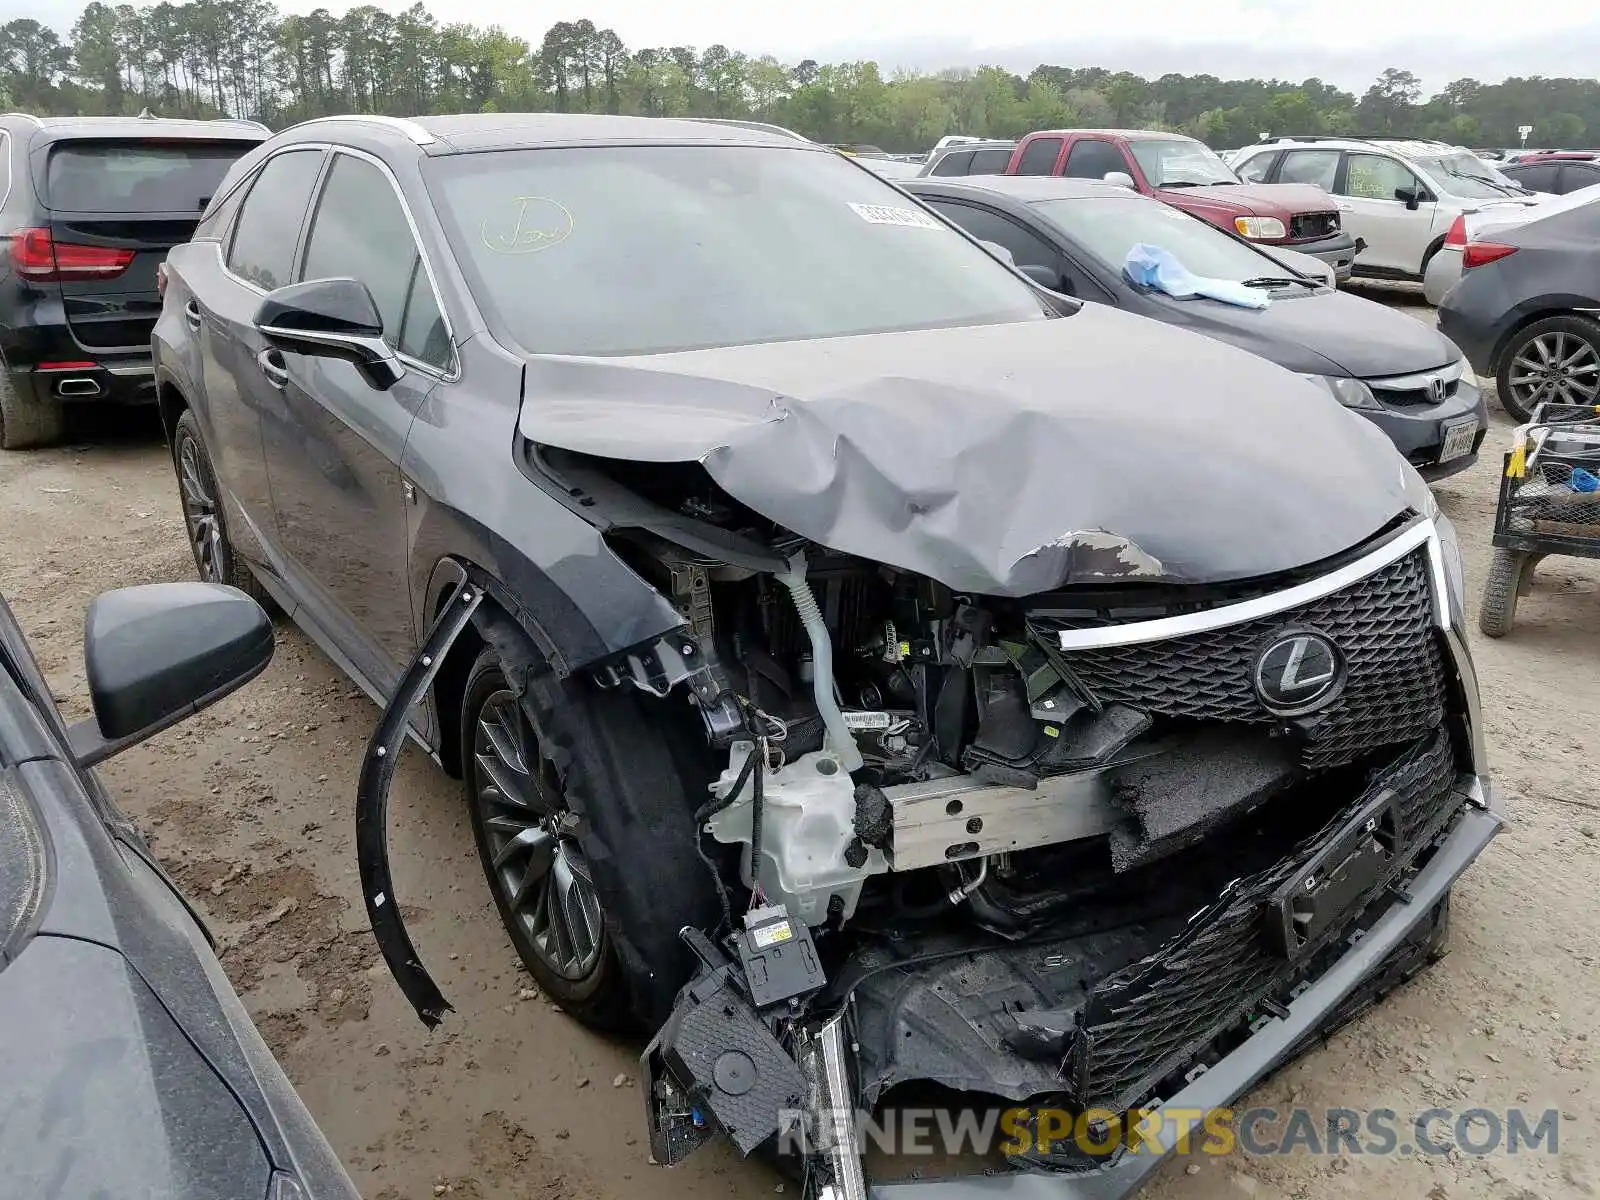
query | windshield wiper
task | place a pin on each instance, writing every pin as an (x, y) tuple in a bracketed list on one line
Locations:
[(1277, 281)]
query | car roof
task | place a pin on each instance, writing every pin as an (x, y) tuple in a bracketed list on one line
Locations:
[(1403, 147), (142, 127), (466, 133), (1131, 134), (1027, 189)]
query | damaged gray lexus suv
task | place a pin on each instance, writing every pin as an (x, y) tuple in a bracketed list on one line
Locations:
[(868, 672)]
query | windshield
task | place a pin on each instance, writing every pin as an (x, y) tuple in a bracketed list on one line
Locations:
[(1108, 227), (1180, 162), (1467, 175), (613, 250)]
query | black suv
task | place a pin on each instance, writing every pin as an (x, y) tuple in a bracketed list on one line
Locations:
[(91, 206)]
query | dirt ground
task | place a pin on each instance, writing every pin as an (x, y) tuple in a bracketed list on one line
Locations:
[(250, 806)]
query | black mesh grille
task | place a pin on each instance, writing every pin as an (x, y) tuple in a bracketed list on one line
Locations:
[(1383, 624), (1303, 226), (1144, 1022)]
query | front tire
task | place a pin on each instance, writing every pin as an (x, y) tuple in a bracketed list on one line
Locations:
[(201, 501), (586, 835), (25, 423), (1556, 359)]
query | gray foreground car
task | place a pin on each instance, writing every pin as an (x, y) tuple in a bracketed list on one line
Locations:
[(865, 667), (130, 1066)]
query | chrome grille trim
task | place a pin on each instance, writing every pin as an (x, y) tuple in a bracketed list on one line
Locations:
[(1134, 632)]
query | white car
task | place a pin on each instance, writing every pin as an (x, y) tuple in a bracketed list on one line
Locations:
[(1445, 267), (1399, 197)]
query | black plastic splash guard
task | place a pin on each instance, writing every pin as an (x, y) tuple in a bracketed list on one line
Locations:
[(372, 806)]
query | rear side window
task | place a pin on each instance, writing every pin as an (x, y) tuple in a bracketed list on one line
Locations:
[(990, 162), (1095, 160), (1255, 169), (269, 220), (360, 232), (135, 177), (1040, 157), (1578, 175), (1540, 177), (1310, 166), (958, 163)]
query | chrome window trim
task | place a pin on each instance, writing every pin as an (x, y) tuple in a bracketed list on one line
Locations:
[(453, 372), (1137, 632), (429, 369), (226, 235)]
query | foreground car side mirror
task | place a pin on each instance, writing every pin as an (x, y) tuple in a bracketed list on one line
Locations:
[(160, 652), (330, 318), (1048, 278)]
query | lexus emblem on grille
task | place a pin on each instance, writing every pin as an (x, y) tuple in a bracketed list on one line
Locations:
[(1299, 672), (1436, 390)]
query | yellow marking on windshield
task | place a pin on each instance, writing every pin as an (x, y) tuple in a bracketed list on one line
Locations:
[(530, 224)]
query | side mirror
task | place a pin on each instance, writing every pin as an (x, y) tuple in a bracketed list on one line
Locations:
[(1120, 178), (999, 251), (330, 318), (1046, 277), (160, 652), (1411, 196)]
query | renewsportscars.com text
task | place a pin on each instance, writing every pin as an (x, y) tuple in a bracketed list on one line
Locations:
[(1259, 1132)]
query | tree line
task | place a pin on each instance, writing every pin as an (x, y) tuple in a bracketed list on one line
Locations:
[(243, 58)]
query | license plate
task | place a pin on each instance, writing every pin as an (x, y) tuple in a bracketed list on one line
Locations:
[(1458, 439), (1326, 890)]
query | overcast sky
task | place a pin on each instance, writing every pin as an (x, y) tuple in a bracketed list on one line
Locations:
[(1346, 43)]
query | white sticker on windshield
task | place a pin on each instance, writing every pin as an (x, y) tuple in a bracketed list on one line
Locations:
[(889, 214)]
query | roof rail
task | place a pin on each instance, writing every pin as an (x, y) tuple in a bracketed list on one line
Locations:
[(416, 133)]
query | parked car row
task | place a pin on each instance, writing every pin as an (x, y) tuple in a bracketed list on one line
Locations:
[(1178, 170), (779, 556)]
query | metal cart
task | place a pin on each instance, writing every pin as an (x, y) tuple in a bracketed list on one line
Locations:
[(1549, 504)]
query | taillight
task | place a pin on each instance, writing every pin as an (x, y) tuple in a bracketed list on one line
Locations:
[(37, 256), (161, 279), (1477, 254), (1456, 235)]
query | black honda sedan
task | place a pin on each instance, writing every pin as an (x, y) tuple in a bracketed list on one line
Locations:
[(130, 1066), (1074, 235), (805, 597)]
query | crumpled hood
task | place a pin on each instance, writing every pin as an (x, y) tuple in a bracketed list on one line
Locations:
[(1323, 333), (1002, 459)]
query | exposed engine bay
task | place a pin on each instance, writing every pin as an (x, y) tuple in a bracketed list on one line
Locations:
[(959, 833), (1078, 845)]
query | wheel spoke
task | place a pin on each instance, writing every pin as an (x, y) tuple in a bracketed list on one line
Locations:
[(534, 862), (533, 843)]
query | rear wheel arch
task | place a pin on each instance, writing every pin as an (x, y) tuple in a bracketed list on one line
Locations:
[(171, 403)]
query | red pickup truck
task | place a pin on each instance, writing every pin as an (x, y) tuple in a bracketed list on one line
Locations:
[(1187, 174)]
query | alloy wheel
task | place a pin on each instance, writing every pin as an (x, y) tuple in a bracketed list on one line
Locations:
[(1558, 367), (200, 513), (537, 864)]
